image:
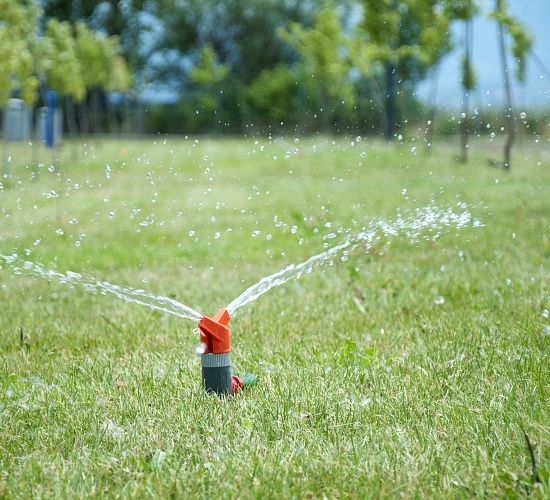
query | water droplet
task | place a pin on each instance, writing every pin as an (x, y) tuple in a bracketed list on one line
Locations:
[(439, 300), (545, 313), (547, 329), (59, 231), (256, 233), (51, 168), (523, 115), (200, 348)]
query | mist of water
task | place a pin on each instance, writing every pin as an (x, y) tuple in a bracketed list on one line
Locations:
[(428, 222), (137, 296)]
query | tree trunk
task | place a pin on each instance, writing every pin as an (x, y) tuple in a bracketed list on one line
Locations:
[(71, 124), (96, 106), (390, 100), (510, 113), (4, 155), (467, 85), (430, 122), (83, 117)]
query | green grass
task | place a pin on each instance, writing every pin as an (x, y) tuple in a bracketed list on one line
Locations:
[(369, 383)]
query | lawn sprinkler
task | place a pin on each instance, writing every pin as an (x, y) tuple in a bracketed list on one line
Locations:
[(216, 358)]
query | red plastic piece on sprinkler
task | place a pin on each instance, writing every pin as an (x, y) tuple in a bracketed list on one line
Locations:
[(236, 384), (215, 334)]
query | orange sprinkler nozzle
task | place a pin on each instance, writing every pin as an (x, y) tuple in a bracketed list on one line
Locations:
[(215, 334)]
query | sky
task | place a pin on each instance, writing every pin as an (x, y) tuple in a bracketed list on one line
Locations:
[(535, 14)]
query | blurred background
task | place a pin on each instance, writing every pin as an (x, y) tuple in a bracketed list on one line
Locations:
[(264, 66)]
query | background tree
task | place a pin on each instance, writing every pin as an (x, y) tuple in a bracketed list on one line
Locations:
[(102, 68), (207, 75), (410, 37), (243, 36), (521, 45), (325, 65), (114, 20), (18, 34), (275, 96), (110, 17), (59, 66), (465, 11)]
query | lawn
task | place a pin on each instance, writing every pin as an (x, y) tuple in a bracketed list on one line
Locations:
[(411, 365)]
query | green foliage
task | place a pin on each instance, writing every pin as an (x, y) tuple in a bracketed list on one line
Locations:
[(408, 39), (59, 61), (18, 33), (68, 62), (208, 72), (95, 51), (241, 32), (208, 75), (415, 34), (462, 10), (468, 78), (325, 63), (274, 94), (121, 78), (522, 40)]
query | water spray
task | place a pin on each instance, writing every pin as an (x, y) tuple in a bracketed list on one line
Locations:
[(215, 348)]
